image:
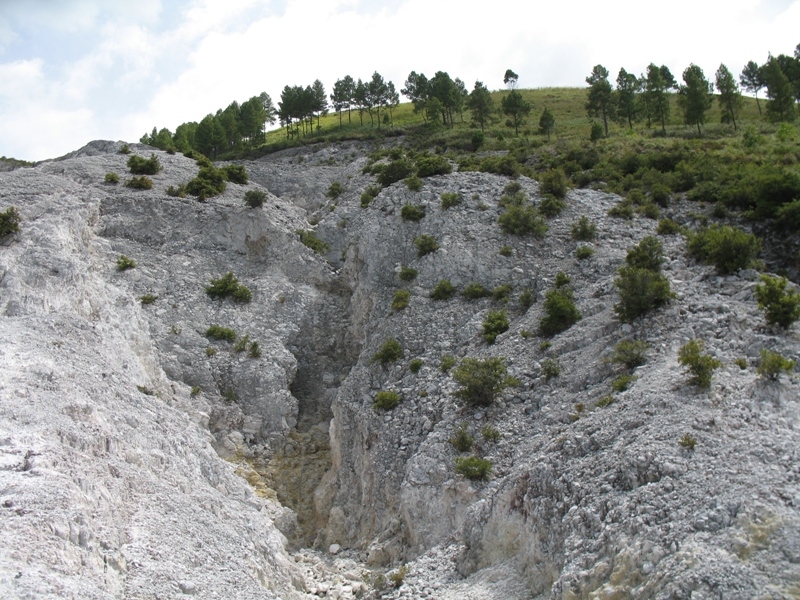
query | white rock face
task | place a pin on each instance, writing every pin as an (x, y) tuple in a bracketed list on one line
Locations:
[(117, 481)]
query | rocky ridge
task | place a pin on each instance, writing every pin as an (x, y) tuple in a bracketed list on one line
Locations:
[(96, 394)]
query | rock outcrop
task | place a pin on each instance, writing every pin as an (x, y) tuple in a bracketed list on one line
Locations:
[(141, 459)]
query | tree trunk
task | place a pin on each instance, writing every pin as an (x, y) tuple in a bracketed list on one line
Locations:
[(758, 104)]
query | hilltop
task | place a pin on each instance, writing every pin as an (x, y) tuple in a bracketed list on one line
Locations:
[(150, 449)]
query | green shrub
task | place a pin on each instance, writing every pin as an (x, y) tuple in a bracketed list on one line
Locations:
[(389, 352), (335, 190), (640, 290), (522, 220), (473, 468), (448, 362), (407, 273), (700, 366), (254, 351), (196, 390), (386, 400), (431, 164), (553, 182), (144, 166), (647, 254), (518, 198), (597, 133), (241, 344), (562, 279), (635, 197), (545, 346), (741, 363), (506, 251), (209, 182), (668, 227), (687, 441), (526, 298), (623, 210), (176, 192), (450, 199), (310, 240), (781, 307), (124, 263), (630, 353), (477, 140), (550, 206), (512, 188), (140, 183), (561, 313), (235, 174), (584, 230), (584, 252), (501, 165), (502, 293), (660, 194), (650, 211), (397, 577), (401, 299), (413, 183), (111, 178), (369, 195), (210, 351), (551, 368), (481, 381), (255, 198), (444, 290), (228, 285), (474, 291), (462, 440), (412, 212), (425, 244), (622, 383), (148, 298), (415, 365), (145, 390), (490, 434), (727, 248), (395, 171), (496, 322), (124, 149), (772, 364), (604, 401), (215, 332)]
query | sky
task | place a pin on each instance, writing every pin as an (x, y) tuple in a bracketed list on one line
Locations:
[(73, 71)]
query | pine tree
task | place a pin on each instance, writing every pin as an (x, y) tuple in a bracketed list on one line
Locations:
[(730, 98)]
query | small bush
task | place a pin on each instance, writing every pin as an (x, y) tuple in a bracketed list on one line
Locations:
[(196, 390), (407, 273), (124, 149), (255, 198), (545, 346), (448, 362), (335, 190), (144, 166), (431, 164), (584, 252), (369, 195), (140, 183), (630, 353), (124, 263), (640, 290), (741, 363), (526, 298), (395, 171), (210, 351), (622, 383), (551, 368), (228, 285), (649, 211), (449, 200), (415, 365), (727, 248), (462, 440), (145, 390), (667, 227), (413, 183), (111, 178), (506, 251), (584, 230), (562, 279), (522, 220), (474, 291), (235, 174), (490, 434), (425, 244), (687, 441), (660, 194), (254, 351), (176, 192), (310, 240), (215, 332), (772, 364), (209, 182), (412, 212), (397, 577), (444, 290), (623, 210), (700, 366), (550, 206), (148, 298), (512, 188), (241, 344), (604, 401), (473, 468), (561, 313), (386, 400), (781, 307), (647, 254), (502, 293), (401, 299), (553, 182), (481, 381), (389, 352), (496, 322)]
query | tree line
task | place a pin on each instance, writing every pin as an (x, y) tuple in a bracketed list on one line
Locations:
[(646, 98)]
